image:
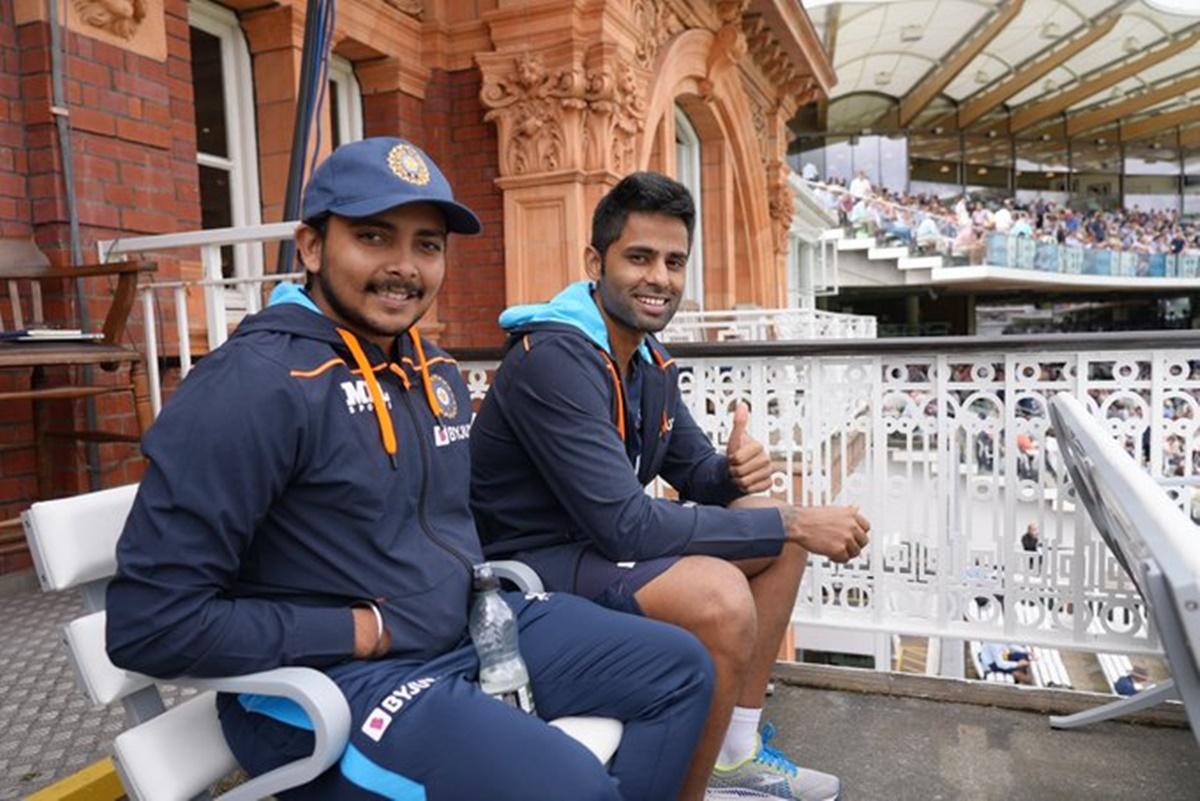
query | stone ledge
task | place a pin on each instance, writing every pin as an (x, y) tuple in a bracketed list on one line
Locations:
[(963, 691)]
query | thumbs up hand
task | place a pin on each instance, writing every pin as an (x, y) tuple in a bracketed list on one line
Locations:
[(749, 465)]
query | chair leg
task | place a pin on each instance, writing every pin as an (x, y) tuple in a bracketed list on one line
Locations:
[(141, 396), (41, 425)]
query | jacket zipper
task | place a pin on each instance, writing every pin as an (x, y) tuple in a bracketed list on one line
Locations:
[(427, 465)]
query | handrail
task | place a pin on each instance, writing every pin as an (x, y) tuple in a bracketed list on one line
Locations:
[(1119, 340), (237, 235)]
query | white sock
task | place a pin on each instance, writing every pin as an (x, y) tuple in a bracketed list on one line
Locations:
[(740, 740)]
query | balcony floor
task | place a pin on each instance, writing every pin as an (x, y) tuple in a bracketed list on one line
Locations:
[(883, 747), (887, 747)]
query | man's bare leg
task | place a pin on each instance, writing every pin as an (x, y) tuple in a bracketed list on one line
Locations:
[(774, 582), (740, 611), (711, 598)]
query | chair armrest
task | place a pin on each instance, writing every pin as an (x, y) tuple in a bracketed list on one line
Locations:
[(519, 573), (321, 700)]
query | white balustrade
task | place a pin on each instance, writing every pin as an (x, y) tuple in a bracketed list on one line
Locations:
[(759, 325), (951, 457)]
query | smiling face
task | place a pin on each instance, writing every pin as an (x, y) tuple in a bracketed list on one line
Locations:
[(640, 278), (378, 275)]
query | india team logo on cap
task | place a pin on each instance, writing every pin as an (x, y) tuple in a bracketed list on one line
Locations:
[(445, 396), (408, 165)]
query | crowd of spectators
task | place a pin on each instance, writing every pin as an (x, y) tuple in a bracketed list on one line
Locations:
[(959, 226)]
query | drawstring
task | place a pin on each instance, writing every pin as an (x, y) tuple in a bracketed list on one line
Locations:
[(426, 381), (386, 432), (664, 425), (619, 392)]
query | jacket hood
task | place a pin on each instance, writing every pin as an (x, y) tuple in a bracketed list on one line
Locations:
[(290, 310), (574, 307)]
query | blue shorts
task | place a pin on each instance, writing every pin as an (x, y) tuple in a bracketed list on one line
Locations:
[(614, 584), (582, 570)]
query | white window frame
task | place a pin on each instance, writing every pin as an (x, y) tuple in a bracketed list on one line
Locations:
[(349, 123), (240, 127), (687, 168)]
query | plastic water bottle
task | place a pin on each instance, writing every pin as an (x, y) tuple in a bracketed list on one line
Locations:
[(493, 627)]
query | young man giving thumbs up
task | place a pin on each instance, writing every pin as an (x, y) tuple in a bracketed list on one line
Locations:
[(583, 413)]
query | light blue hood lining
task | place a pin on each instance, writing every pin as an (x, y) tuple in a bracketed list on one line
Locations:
[(287, 292), (573, 306)]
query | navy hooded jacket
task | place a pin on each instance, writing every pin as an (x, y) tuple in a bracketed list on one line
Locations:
[(557, 460), (270, 506)]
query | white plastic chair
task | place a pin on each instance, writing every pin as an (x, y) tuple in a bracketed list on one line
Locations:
[(176, 754)]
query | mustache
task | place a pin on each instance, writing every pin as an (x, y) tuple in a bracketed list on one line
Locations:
[(398, 286)]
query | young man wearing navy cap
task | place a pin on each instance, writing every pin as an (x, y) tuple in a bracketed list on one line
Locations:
[(306, 503)]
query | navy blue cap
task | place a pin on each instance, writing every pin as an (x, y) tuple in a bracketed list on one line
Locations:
[(373, 175)]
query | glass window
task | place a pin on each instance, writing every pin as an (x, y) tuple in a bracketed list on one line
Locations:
[(933, 164), (208, 84), (893, 157), (225, 135), (811, 151), (1096, 165), (1152, 171), (345, 103), (687, 165), (1191, 182), (866, 157)]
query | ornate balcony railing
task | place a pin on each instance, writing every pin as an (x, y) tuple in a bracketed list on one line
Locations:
[(945, 444), (761, 325)]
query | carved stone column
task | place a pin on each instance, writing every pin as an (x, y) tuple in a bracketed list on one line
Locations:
[(566, 91)]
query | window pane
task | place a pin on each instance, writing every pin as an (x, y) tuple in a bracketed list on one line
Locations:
[(894, 163), (335, 114), (215, 209), (208, 86)]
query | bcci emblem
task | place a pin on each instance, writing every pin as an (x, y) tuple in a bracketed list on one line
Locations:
[(445, 396), (406, 162)]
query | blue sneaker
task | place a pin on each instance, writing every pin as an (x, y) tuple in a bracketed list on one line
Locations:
[(768, 771)]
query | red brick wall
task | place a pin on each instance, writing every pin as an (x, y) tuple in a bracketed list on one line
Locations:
[(449, 125), (14, 205), (134, 161), (473, 296)]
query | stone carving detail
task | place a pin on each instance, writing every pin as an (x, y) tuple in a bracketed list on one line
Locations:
[(781, 204), (118, 17), (528, 105), (539, 112), (616, 115), (798, 88), (655, 23), (414, 7), (730, 11)]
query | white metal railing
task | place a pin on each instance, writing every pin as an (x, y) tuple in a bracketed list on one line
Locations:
[(951, 457), (759, 325), (242, 293)]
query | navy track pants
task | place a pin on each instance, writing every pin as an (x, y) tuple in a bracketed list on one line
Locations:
[(426, 731)]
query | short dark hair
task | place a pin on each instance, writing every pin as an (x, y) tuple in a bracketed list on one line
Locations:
[(641, 191)]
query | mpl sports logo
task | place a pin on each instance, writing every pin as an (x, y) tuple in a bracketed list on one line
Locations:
[(446, 435), (380, 718), (358, 396)]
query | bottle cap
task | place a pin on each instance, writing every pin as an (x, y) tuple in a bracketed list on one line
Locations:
[(485, 579)]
